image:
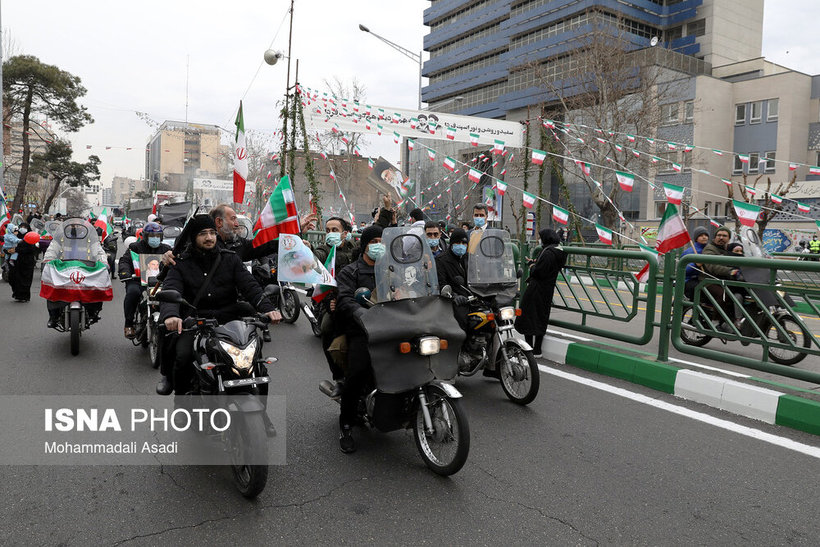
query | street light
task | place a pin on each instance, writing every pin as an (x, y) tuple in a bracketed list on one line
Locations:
[(404, 51)]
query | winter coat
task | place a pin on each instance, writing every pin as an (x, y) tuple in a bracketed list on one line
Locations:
[(344, 254), (189, 274), (692, 271), (537, 300), (717, 270), (448, 267), (10, 241), (352, 277), (125, 267)]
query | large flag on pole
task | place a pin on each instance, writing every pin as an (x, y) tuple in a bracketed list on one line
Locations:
[(102, 222), (671, 231), (279, 215), (154, 208), (240, 165), (321, 291)]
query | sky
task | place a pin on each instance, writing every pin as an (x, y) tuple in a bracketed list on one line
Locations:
[(137, 56)]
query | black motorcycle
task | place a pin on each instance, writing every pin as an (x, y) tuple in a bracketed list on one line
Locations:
[(228, 361), (148, 331), (287, 299), (410, 330)]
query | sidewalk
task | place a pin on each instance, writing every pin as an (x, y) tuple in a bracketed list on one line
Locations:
[(773, 402)]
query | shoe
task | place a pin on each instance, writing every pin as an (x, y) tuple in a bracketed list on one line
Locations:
[(270, 431), (346, 442), (491, 373), (52, 323), (130, 333), (537, 355), (164, 386), (337, 389)]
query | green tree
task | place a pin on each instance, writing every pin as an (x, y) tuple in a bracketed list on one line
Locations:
[(31, 87), (57, 166)]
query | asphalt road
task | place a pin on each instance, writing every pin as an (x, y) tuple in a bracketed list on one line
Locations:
[(577, 466)]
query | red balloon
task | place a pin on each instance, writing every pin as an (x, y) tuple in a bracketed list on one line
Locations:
[(32, 238)]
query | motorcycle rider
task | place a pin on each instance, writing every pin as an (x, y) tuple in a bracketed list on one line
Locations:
[(451, 265), (356, 275), (718, 247), (150, 242), (208, 276), (434, 237)]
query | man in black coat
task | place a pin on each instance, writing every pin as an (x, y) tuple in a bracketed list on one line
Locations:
[(215, 297), (357, 274), (537, 300), (451, 265)]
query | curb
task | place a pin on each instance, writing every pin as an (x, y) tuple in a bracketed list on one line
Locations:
[(759, 403)]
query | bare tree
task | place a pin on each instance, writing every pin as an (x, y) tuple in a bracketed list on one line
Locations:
[(769, 209), (344, 145)]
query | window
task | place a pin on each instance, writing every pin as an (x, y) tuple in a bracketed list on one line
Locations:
[(706, 206), (717, 209), (674, 33), (689, 110), (667, 157), (696, 28), (756, 112), (686, 161), (740, 114), (669, 113), (774, 106), (770, 161), (754, 160), (737, 168), (660, 208)]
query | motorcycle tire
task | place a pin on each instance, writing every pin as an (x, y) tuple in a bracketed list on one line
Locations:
[(74, 330), (799, 338), (445, 450), (250, 480), (519, 374), (690, 337), (155, 347), (289, 306), (316, 328)]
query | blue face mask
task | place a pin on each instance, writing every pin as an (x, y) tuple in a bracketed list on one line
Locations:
[(459, 249), (376, 250), (433, 243), (349, 236), (479, 221), (154, 242), (333, 238)]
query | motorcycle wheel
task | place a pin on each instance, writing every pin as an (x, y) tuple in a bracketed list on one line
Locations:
[(250, 434), (74, 329), (798, 336), (155, 347), (144, 334), (519, 374), (445, 450), (690, 337), (289, 306)]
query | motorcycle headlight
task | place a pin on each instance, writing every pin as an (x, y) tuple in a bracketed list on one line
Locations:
[(242, 358), (429, 345), (507, 314)]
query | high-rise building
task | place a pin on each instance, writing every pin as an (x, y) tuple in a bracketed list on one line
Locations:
[(180, 151)]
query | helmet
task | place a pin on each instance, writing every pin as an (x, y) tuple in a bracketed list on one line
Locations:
[(152, 228), (129, 240), (152, 217)]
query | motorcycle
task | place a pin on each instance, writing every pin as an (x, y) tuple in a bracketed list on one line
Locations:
[(409, 329), (228, 361), (491, 346), (148, 331), (76, 280), (287, 299)]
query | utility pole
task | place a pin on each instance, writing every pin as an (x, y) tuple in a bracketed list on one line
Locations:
[(287, 91)]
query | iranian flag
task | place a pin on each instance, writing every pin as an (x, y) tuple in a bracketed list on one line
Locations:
[(676, 167), (370, 163), (240, 163), (814, 170), (529, 200), (500, 187), (643, 275), (803, 208), (449, 163), (135, 262), (431, 154), (750, 190), (321, 291), (396, 137), (102, 222), (792, 166), (584, 167), (411, 144), (474, 175), (474, 139), (744, 158), (154, 207), (560, 215), (727, 182), (673, 193), (498, 147), (672, 232), (76, 281), (549, 123), (538, 156), (625, 180), (604, 234), (279, 215), (747, 213), (450, 133), (630, 138), (717, 152), (777, 199)]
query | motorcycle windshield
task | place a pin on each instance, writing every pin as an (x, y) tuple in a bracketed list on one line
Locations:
[(54, 227), (407, 269), (491, 264), (37, 225), (752, 245), (76, 239)]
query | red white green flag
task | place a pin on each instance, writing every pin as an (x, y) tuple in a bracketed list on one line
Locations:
[(529, 200), (538, 156), (135, 262), (560, 215), (803, 208), (814, 170), (240, 159), (751, 191), (474, 175), (449, 163), (279, 215), (673, 193), (777, 199), (76, 281), (450, 133), (584, 167), (792, 166), (498, 147), (474, 139), (744, 158), (431, 154), (625, 180), (747, 213), (411, 144), (321, 291), (727, 182), (630, 138), (103, 223), (396, 137), (604, 234), (643, 275), (676, 167), (717, 152), (672, 232), (370, 163), (500, 187)]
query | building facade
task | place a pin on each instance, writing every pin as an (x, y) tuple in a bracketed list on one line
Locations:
[(180, 151)]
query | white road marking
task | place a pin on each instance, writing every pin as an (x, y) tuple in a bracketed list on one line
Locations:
[(783, 442)]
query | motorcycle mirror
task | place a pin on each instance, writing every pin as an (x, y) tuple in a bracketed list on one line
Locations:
[(362, 295), (271, 290), (519, 273), (447, 291), (170, 296)]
